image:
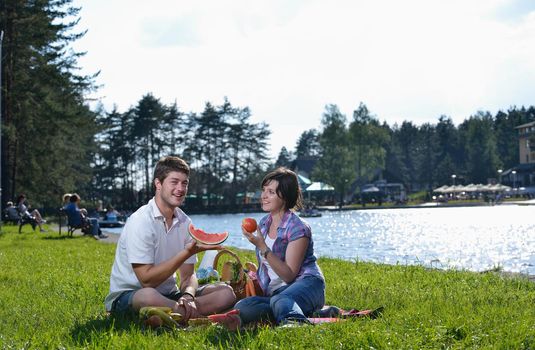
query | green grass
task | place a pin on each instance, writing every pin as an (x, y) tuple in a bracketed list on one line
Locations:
[(52, 290)]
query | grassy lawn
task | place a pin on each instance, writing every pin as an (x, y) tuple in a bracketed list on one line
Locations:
[(52, 290)]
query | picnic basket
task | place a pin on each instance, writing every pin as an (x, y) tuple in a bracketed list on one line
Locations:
[(231, 271)]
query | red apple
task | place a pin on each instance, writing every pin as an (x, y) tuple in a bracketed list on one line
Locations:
[(249, 225)]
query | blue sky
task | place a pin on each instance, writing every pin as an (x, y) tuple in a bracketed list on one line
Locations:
[(406, 60)]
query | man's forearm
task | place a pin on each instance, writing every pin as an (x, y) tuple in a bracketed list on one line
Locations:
[(154, 275), (190, 285)]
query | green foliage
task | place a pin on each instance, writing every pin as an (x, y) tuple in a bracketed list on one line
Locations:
[(481, 156), (506, 134), (335, 165), (227, 153), (419, 197), (284, 159), (52, 290), (308, 144), (47, 130), (367, 140)]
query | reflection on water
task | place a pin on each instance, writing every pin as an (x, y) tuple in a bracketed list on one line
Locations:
[(474, 238)]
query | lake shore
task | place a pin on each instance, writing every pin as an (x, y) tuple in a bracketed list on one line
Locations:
[(113, 238), (452, 204)]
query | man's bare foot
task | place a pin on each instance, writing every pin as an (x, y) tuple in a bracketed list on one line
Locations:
[(153, 322), (188, 309)]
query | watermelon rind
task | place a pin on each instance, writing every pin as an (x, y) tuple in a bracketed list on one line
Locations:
[(207, 238)]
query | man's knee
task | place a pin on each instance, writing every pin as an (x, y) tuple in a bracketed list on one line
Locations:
[(145, 297), (222, 293), (226, 293)]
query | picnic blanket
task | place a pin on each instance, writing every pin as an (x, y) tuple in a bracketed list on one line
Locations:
[(328, 314)]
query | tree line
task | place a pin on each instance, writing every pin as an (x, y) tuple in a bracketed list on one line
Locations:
[(53, 142), (352, 153), (226, 152), (47, 128)]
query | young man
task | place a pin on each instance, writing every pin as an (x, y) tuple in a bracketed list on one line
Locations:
[(154, 244)]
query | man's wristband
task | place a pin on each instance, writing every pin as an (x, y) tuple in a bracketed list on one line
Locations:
[(188, 293)]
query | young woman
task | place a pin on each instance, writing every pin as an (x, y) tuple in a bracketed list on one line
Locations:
[(23, 209), (289, 275)]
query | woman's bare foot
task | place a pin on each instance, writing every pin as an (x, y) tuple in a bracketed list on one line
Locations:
[(230, 320)]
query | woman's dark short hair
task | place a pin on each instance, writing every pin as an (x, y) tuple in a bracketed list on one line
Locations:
[(168, 164), (288, 187)]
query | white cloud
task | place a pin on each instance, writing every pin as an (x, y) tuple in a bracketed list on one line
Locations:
[(414, 59)]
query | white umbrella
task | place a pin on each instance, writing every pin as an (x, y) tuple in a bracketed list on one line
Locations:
[(470, 188), (441, 189), (370, 189), (319, 186)]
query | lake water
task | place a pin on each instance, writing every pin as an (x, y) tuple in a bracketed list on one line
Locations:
[(473, 238)]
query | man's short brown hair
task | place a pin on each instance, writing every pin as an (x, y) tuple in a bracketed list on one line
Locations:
[(168, 164)]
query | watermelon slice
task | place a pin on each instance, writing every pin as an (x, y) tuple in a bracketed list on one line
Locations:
[(205, 237)]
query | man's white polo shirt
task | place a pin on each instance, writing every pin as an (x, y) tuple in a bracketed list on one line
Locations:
[(145, 239)]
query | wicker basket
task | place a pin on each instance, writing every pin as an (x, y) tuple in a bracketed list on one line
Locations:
[(236, 280)]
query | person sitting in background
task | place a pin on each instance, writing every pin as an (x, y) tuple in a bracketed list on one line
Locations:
[(112, 214), (11, 213), (66, 199), (23, 207), (79, 218)]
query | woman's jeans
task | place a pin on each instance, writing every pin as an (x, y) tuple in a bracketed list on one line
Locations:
[(295, 301)]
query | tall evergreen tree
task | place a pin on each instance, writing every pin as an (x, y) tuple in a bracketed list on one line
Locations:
[(114, 163), (150, 131), (308, 144), (427, 152), (507, 136), (47, 143), (480, 148), (335, 165), (368, 140), (449, 155), (228, 149), (284, 159), (394, 161)]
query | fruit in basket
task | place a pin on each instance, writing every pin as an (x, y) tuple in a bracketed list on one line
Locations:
[(207, 238), (249, 225), (207, 275), (230, 271)]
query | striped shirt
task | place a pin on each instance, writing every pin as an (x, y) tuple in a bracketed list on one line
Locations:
[(291, 228)]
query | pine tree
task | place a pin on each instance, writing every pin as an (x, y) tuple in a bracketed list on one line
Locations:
[(47, 143)]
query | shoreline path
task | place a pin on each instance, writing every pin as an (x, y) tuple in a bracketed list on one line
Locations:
[(112, 237)]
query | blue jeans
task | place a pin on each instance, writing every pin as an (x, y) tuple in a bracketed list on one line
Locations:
[(94, 226), (295, 301)]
